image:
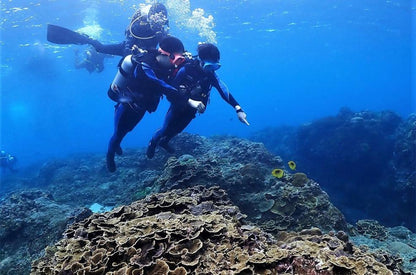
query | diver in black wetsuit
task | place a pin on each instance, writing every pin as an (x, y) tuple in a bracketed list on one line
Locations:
[(147, 28), (138, 86), (196, 77), (8, 161)]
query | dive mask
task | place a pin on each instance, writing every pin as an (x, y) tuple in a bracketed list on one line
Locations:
[(211, 66)]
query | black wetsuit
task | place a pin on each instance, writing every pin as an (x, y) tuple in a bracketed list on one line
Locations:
[(147, 84), (143, 37), (198, 84)]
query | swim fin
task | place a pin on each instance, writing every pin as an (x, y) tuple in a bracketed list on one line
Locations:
[(61, 35)]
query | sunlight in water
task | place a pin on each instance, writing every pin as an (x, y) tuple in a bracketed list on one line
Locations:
[(91, 26), (196, 20)]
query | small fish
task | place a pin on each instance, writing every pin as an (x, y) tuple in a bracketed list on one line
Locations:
[(292, 165), (278, 173)]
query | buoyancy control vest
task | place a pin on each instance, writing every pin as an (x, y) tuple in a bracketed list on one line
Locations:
[(196, 82), (132, 86)]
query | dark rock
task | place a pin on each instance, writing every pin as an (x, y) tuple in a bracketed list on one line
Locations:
[(29, 221)]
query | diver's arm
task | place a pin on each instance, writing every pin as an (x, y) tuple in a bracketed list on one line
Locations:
[(113, 49), (180, 75), (226, 95), (168, 90), (171, 92), (223, 91)]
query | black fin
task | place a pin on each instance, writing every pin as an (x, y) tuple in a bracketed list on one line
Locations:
[(61, 35)]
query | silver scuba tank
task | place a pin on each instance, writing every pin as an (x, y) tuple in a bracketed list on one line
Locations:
[(118, 89)]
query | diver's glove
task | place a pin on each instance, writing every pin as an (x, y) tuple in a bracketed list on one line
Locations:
[(197, 105), (241, 115)]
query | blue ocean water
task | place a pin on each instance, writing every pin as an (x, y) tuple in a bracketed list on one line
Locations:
[(286, 63)]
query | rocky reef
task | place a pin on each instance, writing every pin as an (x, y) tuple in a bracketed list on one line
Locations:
[(398, 241), (360, 159), (293, 202), (289, 211), (403, 163), (241, 167), (197, 231), (29, 221)]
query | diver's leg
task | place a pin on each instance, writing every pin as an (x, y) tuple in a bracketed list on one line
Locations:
[(181, 120), (125, 119), (169, 117)]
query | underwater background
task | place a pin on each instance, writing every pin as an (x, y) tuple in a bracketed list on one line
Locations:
[(286, 63)]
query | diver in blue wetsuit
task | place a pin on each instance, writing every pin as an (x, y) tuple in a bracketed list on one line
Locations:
[(196, 77), (138, 87)]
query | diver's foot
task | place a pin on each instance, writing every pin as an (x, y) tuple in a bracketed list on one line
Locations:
[(165, 145), (119, 151), (150, 152), (111, 165)]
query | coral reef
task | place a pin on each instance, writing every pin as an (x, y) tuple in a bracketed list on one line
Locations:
[(240, 167), (381, 241), (298, 202), (292, 203), (359, 158), (83, 179), (403, 165), (29, 221), (361, 141), (371, 229), (187, 170), (196, 231), (404, 157)]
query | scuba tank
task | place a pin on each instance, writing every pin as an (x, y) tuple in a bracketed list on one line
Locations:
[(119, 91)]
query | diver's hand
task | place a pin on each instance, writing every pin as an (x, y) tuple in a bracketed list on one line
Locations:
[(136, 50), (197, 105), (241, 115)]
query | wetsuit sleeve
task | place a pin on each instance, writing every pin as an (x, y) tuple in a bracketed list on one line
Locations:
[(128, 44), (114, 49), (171, 92), (223, 90)]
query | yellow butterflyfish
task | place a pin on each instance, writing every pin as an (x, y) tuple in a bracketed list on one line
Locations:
[(292, 165), (278, 173)]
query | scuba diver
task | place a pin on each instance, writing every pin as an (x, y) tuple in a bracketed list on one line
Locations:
[(138, 87), (196, 78), (8, 161), (148, 26), (90, 59)]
